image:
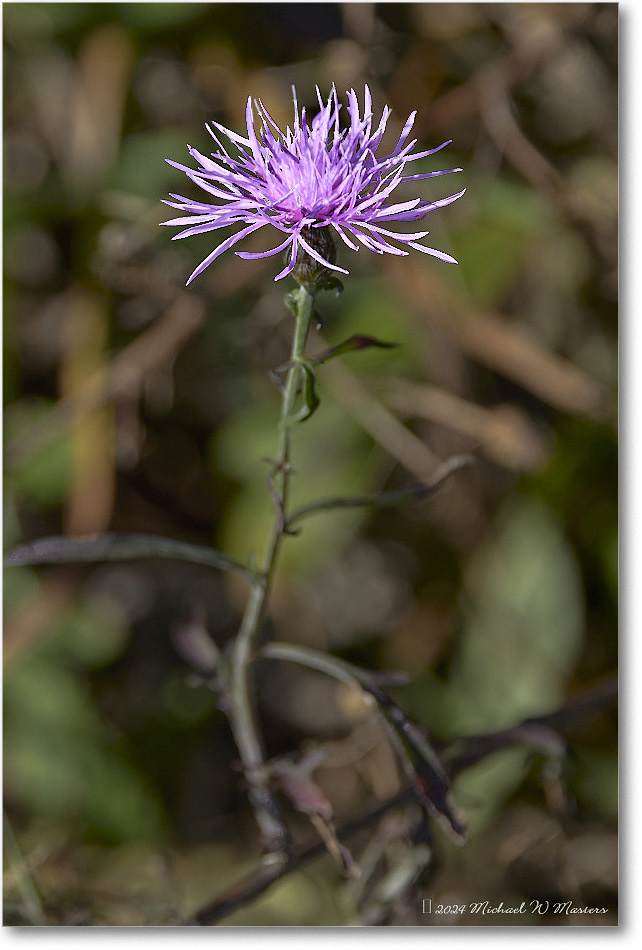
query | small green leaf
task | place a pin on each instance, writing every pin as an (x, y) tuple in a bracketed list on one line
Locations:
[(309, 390), (310, 398), (44, 477), (292, 303), (355, 342)]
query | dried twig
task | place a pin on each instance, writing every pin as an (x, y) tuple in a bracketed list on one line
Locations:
[(493, 342), (466, 752)]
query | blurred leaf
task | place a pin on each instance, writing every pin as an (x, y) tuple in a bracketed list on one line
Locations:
[(47, 694), (330, 453), (509, 217), (596, 782), (370, 309), (90, 633), (295, 901), (32, 22), (20, 587), (141, 168), (584, 462), (480, 790), (11, 530), (58, 762), (150, 16), (45, 476), (521, 637), (524, 627)]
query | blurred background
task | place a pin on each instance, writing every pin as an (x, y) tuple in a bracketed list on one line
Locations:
[(133, 405)]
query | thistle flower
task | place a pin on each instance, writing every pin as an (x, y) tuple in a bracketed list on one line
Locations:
[(307, 180)]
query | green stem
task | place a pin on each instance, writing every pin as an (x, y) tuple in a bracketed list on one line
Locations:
[(245, 727)]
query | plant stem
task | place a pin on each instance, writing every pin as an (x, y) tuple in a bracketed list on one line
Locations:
[(244, 725), (330, 665), (24, 882)]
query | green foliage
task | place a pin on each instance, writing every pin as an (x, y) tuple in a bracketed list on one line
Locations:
[(153, 16), (482, 789), (19, 587), (331, 456), (596, 783), (44, 477), (364, 308), (534, 553), (60, 763), (521, 637), (294, 903), (139, 171), (310, 399), (60, 759), (89, 634), (523, 634), (504, 220)]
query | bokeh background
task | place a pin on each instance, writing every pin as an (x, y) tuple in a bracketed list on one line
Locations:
[(134, 405)]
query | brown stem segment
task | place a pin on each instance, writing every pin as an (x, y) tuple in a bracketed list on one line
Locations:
[(475, 749)]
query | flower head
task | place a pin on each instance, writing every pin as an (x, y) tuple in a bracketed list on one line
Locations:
[(313, 176)]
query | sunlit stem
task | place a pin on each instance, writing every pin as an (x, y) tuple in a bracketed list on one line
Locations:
[(244, 724)]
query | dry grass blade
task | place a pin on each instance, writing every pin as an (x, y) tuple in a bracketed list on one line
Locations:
[(504, 433), (490, 340)]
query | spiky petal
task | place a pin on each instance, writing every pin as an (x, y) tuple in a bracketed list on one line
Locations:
[(314, 175)]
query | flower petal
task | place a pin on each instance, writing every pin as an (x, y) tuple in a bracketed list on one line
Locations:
[(230, 242), (255, 255), (317, 173)]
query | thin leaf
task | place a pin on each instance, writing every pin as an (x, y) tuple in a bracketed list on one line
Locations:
[(310, 397), (291, 301), (431, 781), (119, 547), (353, 343), (390, 499), (356, 342)]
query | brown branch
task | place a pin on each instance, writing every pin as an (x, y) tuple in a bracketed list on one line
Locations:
[(260, 880), (467, 751), (375, 419), (495, 342), (537, 730), (505, 433)]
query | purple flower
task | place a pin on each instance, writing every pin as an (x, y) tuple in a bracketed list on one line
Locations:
[(316, 175)]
